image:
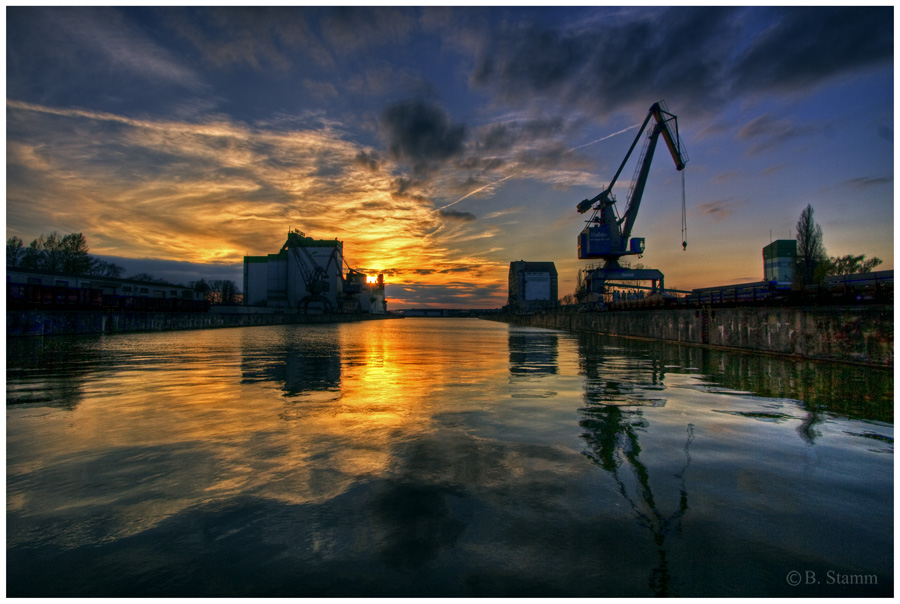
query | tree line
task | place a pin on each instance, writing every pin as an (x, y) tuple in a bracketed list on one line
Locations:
[(69, 254), (814, 264), (60, 254)]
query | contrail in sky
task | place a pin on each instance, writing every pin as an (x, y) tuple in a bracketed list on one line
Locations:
[(479, 189), (606, 137)]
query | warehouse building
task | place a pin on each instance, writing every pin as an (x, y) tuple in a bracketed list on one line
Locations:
[(532, 286), (307, 275)]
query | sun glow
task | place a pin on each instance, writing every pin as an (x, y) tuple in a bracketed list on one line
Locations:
[(371, 278)]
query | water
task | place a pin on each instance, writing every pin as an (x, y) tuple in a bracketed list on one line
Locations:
[(440, 457)]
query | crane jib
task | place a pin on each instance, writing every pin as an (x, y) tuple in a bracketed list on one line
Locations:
[(607, 236), (672, 141)]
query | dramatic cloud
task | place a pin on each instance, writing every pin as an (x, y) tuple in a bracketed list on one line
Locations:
[(202, 192), (368, 159), (421, 134), (766, 132), (692, 53), (460, 216), (503, 136), (805, 46), (258, 37), (352, 28), (603, 68), (461, 294), (107, 51)]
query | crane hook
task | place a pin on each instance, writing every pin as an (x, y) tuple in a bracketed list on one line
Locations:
[(683, 216)]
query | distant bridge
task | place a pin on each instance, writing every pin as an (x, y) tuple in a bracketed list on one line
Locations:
[(445, 312)]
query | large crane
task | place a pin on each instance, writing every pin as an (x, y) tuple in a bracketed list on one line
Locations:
[(607, 236)]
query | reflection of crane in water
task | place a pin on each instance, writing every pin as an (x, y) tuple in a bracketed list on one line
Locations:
[(612, 434)]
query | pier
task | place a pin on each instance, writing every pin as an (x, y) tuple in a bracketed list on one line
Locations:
[(70, 322)]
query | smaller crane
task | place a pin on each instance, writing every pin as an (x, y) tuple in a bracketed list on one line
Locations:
[(315, 276), (607, 236)]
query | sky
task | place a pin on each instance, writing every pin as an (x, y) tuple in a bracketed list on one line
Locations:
[(441, 144)]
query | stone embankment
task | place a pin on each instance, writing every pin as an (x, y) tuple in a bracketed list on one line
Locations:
[(60, 322), (847, 334)]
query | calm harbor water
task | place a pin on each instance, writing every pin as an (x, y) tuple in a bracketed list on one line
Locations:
[(440, 457)]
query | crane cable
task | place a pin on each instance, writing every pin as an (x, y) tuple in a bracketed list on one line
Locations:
[(683, 216)]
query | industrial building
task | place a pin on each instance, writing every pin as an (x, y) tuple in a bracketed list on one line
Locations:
[(779, 260), (532, 286), (307, 275)]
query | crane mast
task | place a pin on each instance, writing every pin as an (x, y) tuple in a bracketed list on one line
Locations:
[(607, 236)]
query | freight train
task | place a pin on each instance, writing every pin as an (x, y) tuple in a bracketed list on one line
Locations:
[(33, 290), (874, 287)]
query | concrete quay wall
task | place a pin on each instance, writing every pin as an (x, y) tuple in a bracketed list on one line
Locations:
[(61, 322), (848, 334)]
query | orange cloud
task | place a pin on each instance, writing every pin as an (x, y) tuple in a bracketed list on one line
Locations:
[(214, 192)]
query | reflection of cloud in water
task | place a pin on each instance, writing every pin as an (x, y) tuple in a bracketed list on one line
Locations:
[(113, 494), (759, 415), (415, 523), (453, 515)]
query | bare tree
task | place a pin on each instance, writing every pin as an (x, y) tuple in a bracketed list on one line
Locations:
[(15, 250), (222, 291), (102, 268), (811, 258), (73, 251), (201, 287), (53, 252), (63, 254), (148, 278)]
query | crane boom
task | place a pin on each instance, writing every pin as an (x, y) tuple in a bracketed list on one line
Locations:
[(606, 236), (672, 142), (585, 205)]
